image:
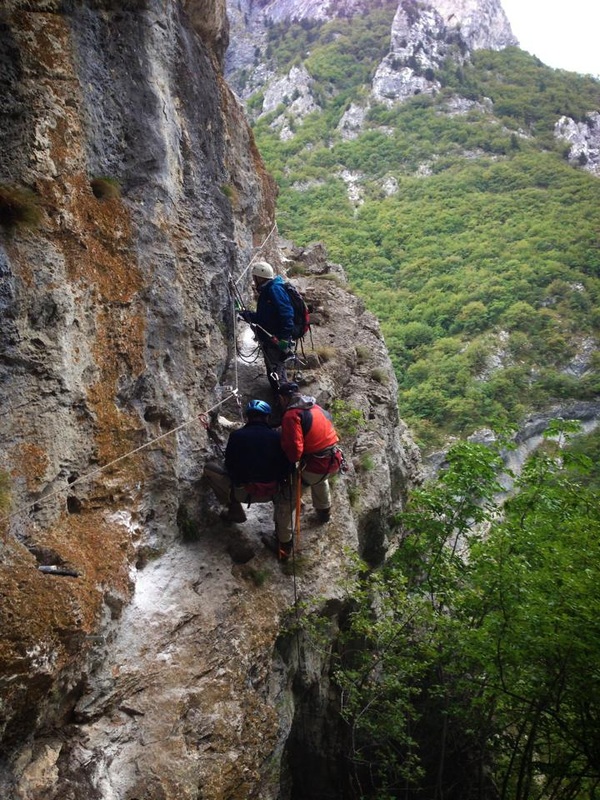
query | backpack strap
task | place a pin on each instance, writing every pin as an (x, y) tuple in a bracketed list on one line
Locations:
[(306, 420)]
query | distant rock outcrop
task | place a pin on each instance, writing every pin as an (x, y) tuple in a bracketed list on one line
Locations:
[(483, 24), (422, 36), (584, 139)]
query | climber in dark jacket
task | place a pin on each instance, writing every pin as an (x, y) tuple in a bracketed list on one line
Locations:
[(273, 320), (253, 453), (255, 471)]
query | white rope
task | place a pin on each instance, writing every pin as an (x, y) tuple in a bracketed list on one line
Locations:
[(235, 338), (21, 509), (235, 393), (272, 231)]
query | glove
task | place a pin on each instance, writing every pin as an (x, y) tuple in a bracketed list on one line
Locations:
[(283, 345), (245, 315)]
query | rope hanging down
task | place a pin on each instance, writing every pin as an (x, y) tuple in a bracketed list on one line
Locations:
[(237, 305), (200, 418)]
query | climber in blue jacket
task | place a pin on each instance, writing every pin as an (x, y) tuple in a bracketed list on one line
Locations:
[(273, 320)]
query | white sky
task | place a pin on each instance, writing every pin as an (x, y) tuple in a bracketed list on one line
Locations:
[(564, 34)]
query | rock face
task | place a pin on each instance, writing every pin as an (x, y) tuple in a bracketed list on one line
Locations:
[(422, 36), (146, 663), (293, 90), (483, 24), (584, 138)]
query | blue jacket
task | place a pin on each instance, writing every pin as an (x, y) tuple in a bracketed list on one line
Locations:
[(254, 454), (274, 310)]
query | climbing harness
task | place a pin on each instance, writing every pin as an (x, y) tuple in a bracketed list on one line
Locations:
[(330, 455), (259, 492)]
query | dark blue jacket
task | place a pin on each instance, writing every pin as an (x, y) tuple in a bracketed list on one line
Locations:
[(254, 454), (274, 310)]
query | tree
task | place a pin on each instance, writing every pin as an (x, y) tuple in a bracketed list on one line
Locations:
[(470, 661)]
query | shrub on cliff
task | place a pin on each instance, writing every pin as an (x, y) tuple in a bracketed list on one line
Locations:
[(4, 491), (105, 188), (18, 207)]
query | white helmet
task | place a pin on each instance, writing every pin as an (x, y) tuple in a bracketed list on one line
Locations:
[(263, 270)]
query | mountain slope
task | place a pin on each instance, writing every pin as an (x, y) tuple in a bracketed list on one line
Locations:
[(457, 186)]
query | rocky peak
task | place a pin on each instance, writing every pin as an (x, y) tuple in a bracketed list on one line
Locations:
[(423, 35), (483, 24), (322, 10)]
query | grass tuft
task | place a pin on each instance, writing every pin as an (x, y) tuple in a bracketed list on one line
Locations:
[(353, 496), (366, 463), (19, 208), (325, 353), (363, 354), (380, 375), (258, 576), (105, 188), (4, 491), (296, 269), (296, 565)]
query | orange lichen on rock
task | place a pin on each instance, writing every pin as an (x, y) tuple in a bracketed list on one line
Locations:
[(30, 462), (43, 40), (46, 619), (80, 538)]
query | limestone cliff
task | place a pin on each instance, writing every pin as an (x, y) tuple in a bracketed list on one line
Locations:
[(584, 140), (422, 36), (151, 668)]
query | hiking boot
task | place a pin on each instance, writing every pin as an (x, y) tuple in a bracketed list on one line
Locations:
[(283, 550), (234, 513), (323, 514)]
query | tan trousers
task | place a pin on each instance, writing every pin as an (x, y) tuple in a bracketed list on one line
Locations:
[(227, 493), (319, 489)]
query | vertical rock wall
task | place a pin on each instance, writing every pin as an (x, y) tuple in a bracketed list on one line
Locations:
[(115, 323)]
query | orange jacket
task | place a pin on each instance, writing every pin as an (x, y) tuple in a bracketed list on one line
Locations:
[(306, 430)]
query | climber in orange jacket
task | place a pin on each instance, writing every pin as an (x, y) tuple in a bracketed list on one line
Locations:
[(309, 438)]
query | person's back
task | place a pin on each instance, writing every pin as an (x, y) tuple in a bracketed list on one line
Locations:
[(274, 310), (309, 437), (255, 471), (306, 429), (254, 454), (273, 320)]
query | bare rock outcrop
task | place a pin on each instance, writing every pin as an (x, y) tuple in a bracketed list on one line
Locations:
[(584, 140), (422, 38)]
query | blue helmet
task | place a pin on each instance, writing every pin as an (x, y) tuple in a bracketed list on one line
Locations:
[(258, 407)]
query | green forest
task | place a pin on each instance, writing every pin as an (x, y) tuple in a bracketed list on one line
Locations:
[(469, 664), (484, 266)]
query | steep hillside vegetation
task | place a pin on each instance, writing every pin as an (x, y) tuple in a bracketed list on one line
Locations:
[(457, 214)]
